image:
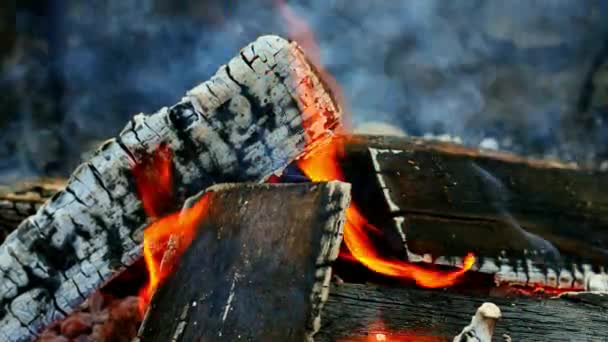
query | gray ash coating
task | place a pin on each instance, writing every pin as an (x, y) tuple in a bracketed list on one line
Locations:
[(532, 75)]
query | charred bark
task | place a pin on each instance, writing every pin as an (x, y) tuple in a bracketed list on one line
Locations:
[(528, 221), (257, 114), (353, 312), (259, 269)]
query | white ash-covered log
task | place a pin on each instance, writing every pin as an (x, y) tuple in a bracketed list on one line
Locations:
[(258, 113), (259, 268)]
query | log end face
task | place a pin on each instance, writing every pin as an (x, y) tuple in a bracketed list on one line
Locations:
[(267, 105)]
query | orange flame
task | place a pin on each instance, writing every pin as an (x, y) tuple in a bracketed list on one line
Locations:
[(182, 226), (324, 166), (154, 182)]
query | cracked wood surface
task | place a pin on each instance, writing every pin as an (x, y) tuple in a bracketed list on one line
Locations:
[(529, 222), (253, 117), (354, 311), (259, 269)]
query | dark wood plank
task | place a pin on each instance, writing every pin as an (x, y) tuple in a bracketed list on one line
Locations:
[(355, 311), (259, 270), (447, 200)]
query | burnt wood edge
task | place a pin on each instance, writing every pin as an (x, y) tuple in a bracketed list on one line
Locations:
[(442, 147)]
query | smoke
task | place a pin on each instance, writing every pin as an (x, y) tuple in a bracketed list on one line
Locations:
[(478, 69), (499, 197)]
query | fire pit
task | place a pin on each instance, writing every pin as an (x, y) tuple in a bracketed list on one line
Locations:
[(247, 211)]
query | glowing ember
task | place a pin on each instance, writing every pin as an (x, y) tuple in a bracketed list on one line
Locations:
[(154, 183), (531, 290), (323, 165), (378, 332)]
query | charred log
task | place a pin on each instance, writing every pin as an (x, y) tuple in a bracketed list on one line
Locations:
[(528, 221), (354, 312), (257, 114), (259, 269)]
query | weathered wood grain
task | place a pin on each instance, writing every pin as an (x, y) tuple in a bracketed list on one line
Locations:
[(354, 312), (253, 117), (528, 221), (259, 269), (19, 201)]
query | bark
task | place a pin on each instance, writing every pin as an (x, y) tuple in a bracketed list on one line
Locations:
[(528, 221), (259, 269), (354, 311), (254, 116)]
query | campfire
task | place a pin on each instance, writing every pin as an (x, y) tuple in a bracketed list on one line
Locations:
[(249, 211)]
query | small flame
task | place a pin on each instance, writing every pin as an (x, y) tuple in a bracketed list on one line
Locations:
[(324, 166), (154, 181), (182, 226)]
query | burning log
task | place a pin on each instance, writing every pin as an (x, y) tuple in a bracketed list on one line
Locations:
[(262, 110), (259, 268), (353, 312), (529, 222)]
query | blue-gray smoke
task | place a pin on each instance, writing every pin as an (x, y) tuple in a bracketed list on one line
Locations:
[(511, 70)]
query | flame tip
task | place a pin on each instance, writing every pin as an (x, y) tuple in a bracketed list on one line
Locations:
[(324, 166)]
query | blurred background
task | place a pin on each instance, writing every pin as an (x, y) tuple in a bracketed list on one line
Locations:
[(524, 76)]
